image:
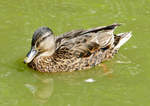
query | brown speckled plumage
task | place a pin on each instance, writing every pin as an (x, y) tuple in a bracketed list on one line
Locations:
[(80, 49)]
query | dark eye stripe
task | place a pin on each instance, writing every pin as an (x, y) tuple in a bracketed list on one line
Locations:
[(44, 38), (37, 44)]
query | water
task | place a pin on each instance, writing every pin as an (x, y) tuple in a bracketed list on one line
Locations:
[(122, 81)]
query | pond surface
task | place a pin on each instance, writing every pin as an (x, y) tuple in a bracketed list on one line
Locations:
[(122, 81)]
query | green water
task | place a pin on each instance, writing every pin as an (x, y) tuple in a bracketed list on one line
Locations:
[(125, 80)]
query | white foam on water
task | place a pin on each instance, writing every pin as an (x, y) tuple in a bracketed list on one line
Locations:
[(90, 80)]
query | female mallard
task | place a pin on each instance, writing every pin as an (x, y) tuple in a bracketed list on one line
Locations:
[(75, 50)]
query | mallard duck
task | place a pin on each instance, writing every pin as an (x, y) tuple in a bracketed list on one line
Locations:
[(75, 50)]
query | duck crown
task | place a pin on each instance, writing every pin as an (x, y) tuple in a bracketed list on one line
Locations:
[(41, 32)]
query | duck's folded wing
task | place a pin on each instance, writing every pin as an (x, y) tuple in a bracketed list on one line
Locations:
[(85, 42), (76, 33), (97, 29), (84, 50)]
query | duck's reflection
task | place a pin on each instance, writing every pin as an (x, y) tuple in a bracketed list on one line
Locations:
[(42, 89)]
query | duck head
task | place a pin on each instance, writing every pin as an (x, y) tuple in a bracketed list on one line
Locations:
[(43, 44)]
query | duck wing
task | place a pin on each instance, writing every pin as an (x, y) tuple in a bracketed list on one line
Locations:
[(97, 29), (83, 43), (75, 33)]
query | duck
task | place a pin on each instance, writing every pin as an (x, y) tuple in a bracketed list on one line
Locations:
[(74, 50)]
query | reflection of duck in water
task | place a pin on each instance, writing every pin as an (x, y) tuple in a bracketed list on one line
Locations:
[(42, 90), (45, 91), (75, 50)]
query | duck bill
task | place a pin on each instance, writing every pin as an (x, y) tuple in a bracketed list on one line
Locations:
[(30, 56)]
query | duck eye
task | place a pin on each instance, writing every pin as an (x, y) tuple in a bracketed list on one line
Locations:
[(44, 38)]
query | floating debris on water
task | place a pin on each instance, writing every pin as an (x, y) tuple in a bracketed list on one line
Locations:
[(90, 80)]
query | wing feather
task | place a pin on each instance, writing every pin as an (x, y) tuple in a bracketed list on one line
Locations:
[(82, 43)]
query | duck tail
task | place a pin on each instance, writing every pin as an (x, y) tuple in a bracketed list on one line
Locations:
[(121, 39)]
